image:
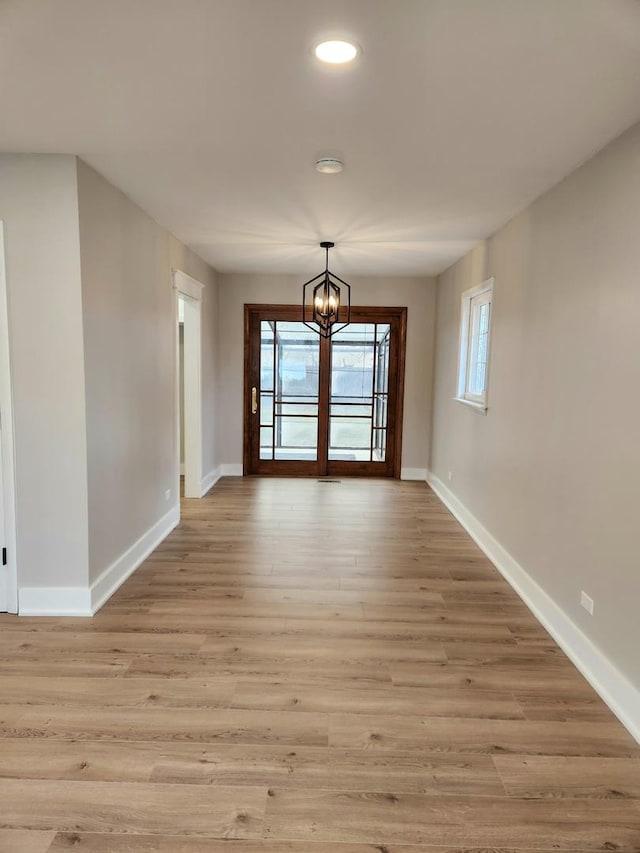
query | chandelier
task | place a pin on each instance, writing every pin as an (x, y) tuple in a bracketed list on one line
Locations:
[(324, 308)]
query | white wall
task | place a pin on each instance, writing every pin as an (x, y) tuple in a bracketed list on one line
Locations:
[(130, 349), (93, 348), (417, 294), (552, 470), (39, 206)]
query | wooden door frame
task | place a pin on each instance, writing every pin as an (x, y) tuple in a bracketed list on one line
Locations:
[(362, 314), (293, 313)]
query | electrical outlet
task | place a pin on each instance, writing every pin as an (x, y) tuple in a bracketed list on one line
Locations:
[(450, 476), (587, 602), (167, 495)]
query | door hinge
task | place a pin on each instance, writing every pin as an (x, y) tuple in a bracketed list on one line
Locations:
[(4, 556)]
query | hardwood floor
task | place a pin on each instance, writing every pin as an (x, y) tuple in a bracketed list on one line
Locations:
[(306, 666)]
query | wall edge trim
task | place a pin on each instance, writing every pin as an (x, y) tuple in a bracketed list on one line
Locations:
[(54, 601), (87, 600), (231, 470), (187, 284), (117, 573), (208, 482), (616, 691), (413, 474)]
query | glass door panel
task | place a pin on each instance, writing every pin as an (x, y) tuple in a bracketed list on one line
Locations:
[(289, 391), (359, 393)]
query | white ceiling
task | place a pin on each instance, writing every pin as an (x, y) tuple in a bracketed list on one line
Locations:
[(211, 113)]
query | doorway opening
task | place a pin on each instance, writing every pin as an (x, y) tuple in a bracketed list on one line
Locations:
[(318, 407), (188, 385), (8, 553)]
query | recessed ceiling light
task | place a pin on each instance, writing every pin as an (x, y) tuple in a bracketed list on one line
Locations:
[(337, 52), (329, 165)]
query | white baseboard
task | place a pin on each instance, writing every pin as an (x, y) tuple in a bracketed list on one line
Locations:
[(116, 574), (231, 470), (413, 474), (209, 481), (54, 601), (86, 601), (622, 697)]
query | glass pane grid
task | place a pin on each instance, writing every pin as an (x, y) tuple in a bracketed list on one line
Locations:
[(480, 316), (359, 392), (289, 374)]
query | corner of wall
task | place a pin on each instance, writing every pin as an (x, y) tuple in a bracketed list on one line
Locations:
[(40, 208), (209, 480), (117, 573)]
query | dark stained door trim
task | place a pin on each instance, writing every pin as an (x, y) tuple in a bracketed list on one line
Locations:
[(253, 317)]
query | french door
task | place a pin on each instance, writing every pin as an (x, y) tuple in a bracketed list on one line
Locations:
[(319, 407)]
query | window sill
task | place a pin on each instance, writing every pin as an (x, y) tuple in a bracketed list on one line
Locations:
[(480, 408)]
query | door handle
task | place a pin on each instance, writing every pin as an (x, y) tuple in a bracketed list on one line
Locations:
[(254, 400)]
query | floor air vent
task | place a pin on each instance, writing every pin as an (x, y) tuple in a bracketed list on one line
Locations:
[(329, 481)]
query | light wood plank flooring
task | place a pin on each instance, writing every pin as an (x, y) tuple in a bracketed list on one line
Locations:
[(306, 666)]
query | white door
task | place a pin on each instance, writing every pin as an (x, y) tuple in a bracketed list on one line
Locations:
[(8, 567)]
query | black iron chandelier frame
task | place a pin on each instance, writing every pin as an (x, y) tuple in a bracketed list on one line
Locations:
[(326, 315)]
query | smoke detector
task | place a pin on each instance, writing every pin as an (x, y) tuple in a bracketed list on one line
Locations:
[(329, 165)]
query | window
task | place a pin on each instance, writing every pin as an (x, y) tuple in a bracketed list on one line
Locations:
[(475, 337)]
